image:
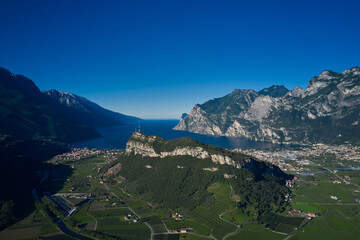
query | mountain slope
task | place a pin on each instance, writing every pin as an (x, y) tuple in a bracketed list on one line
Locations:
[(26, 112), (176, 174), (82, 110), (327, 111)]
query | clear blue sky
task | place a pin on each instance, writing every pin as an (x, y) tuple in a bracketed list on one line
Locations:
[(156, 59)]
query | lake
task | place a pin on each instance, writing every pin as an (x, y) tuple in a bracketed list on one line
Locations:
[(116, 137)]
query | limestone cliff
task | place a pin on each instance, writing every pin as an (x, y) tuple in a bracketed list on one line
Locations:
[(327, 111), (157, 147), (143, 145)]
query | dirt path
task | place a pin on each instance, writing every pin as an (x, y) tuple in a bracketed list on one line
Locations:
[(96, 222)]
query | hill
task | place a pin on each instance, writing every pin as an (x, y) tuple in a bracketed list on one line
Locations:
[(327, 111), (176, 174)]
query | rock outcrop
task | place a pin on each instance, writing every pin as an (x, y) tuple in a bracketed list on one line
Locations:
[(141, 144)]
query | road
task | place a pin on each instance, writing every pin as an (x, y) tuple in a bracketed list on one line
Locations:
[(357, 185), (131, 210)]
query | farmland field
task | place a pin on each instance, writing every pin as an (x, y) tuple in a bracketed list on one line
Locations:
[(156, 224), (338, 219), (338, 222), (219, 227), (282, 224), (128, 231), (33, 226), (166, 237), (199, 228), (218, 218), (120, 212), (256, 235)]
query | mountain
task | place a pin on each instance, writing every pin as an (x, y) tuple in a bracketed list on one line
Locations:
[(327, 111), (26, 112), (82, 110), (274, 91), (176, 174)]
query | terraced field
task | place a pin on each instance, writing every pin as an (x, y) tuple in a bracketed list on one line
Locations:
[(198, 228), (112, 222), (256, 235), (166, 237), (156, 224), (33, 226), (128, 231), (120, 212), (283, 224), (219, 228)]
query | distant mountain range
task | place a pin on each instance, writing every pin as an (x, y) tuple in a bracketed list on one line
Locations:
[(87, 112), (27, 112), (327, 111)]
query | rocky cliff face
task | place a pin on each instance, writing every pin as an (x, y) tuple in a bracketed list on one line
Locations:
[(143, 145), (327, 111), (69, 100), (157, 147)]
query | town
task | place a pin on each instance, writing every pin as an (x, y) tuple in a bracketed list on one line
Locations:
[(298, 160), (82, 153)]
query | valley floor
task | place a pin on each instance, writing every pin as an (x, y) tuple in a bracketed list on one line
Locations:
[(324, 204)]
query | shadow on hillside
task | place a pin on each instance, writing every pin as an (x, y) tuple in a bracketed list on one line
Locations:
[(23, 166)]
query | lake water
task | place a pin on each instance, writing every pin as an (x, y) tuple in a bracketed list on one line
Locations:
[(116, 137)]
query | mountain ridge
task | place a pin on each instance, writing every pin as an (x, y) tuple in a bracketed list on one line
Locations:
[(327, 111), (89, 112), (26, 112)]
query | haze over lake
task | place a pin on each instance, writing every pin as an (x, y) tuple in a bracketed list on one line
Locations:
[(116, 137)]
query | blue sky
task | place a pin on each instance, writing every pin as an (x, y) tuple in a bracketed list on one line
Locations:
[(156, 59)]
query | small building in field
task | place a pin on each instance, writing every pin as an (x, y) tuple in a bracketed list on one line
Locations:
[(333, 197), (311, 215)]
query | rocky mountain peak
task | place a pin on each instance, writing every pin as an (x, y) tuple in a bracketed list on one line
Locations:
[(327, 75), (296, 92), (354, 71), (19, 82), (242, 91), (321, 81), (67, 99), (274, 91)]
